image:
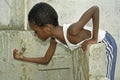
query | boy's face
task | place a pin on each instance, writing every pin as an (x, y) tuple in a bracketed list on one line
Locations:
[(40, 32)]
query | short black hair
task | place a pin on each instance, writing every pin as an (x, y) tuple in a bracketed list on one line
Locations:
[(42, 13)]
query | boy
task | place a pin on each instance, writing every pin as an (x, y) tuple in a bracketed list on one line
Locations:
[(43, 19)]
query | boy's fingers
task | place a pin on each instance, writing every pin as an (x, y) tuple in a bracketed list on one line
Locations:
[(15, 50)]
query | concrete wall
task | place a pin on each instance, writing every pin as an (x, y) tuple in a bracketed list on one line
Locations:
[(65, 64), (13, 16), (11, 69)]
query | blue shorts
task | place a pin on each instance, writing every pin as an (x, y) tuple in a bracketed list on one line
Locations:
[(111, 54)]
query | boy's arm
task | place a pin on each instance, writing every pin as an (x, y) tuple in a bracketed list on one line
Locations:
[(42, 60), (91, 13)]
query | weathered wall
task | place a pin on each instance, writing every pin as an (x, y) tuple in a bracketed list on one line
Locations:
[(13, 16), (70, 11), (65, 64), (11, 69)]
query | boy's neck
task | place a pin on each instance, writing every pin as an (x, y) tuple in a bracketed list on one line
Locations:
[(58, 33)]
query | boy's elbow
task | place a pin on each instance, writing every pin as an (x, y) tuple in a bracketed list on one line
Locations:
[(45, 61), (95, 7)]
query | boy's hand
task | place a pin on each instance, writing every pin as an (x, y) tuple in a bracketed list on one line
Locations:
[(87, 42), (92, 41), (16, 55)]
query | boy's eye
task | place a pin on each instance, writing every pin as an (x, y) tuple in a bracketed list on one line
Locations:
[(35, 31)]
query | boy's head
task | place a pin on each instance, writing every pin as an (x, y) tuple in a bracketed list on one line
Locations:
[(42, 14), (42, 18)]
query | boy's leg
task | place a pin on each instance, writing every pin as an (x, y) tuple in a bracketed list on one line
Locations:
[(114, 52), (111, 52), (113, 64)]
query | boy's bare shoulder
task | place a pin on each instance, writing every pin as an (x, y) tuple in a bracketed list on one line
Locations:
[(73, 29)]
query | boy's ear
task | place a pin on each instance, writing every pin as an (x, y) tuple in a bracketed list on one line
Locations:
[(49, 27)]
